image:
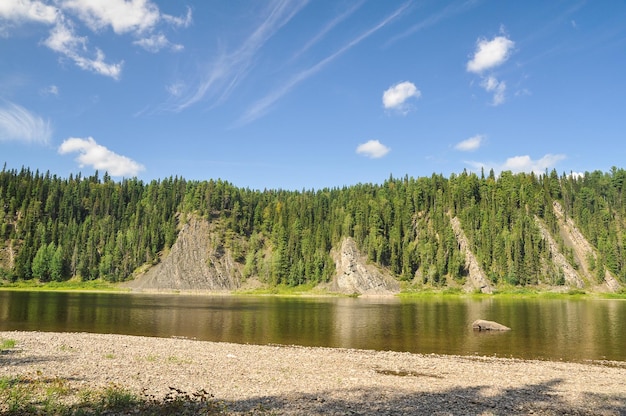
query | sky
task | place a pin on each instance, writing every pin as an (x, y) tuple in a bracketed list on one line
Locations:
[(311, 94)]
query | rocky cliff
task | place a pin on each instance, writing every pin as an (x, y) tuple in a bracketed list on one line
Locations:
[(476, 275), (356, 276), (198, 260), (195, 262), (582, 249)]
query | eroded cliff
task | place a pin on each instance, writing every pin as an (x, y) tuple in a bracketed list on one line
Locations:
[(195, 262)]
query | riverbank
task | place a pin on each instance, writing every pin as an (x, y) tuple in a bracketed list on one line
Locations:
[(311, 291), (290, 380)]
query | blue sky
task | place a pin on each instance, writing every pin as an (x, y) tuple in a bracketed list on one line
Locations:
[(311, 94)]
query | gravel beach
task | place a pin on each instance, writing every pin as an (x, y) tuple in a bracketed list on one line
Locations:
[(292, 380)]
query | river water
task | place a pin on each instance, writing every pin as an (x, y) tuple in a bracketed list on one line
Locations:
[(569, 330)]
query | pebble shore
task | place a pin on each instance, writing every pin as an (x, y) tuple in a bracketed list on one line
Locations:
[(292, 380)]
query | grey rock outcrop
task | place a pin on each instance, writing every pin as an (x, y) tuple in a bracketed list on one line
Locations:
[(572, 278), (476, 275), (193, 263), (356, 276), (583, 250)]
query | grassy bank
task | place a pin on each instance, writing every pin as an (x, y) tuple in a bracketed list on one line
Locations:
[(407, 292), (70, 286)]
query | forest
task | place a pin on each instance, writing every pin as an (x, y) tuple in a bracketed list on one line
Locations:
[(55, 229)]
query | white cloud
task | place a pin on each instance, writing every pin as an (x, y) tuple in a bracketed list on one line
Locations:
[(491, 84), (396, 96), (99, 157), (138, 17), (19, 124), (63, 40), (155, 43), (471, 144), (179, 21), (123, 16), (490, 54), (372, 149), (176, 89), (19, 11), (525, 163), (50, 90)]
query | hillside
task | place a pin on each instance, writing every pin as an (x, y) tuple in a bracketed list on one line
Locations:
[(467, 231)]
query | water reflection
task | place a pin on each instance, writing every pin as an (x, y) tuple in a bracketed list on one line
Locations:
[(550, 329)]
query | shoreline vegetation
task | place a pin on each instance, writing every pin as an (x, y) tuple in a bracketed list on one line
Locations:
[(80, 373), (76, 285)]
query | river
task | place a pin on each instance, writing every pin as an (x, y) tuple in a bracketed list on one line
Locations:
[(552, 329)]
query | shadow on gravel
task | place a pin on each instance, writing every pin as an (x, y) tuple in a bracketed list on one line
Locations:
[(542, 399), (538, 399), (10, 358)]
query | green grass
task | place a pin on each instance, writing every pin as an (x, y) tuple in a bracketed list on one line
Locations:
[(53, 396), (512, 292), (6, 344), (309, 289), (70, 286)]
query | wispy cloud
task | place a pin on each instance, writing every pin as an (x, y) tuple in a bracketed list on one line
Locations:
[(231, 67), (471, 144), (63, 40), (498, 88), (19, 124), (179, 21), (99, 157), (525, 163), (449, 11), (50, 90), (396, 96), (157, 42), (373, 149), (261, 107), (328, 27)]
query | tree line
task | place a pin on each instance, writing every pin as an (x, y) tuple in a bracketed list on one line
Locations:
[(93, 227)]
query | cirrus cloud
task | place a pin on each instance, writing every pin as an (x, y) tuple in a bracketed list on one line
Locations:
[(396, 96), (19, 124), (99, 157), (372, 149)]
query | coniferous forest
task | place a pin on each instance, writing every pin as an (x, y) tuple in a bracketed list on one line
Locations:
[(55, 229)]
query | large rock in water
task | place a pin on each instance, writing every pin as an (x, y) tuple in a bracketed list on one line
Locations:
[(483, 325)]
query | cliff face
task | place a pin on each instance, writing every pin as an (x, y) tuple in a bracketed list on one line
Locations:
[(199, 261), (356, 276), (476, 275), (582, 249), (194, 263)]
